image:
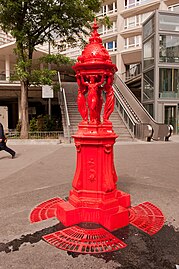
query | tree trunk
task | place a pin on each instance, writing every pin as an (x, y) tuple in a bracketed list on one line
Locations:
[(24, 110)]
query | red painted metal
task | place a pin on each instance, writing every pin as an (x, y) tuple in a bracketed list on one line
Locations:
[(80, 240), (147, 217), (94, 197), (45, 210)]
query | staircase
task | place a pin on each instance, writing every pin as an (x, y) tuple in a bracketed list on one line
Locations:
[(71, 90)]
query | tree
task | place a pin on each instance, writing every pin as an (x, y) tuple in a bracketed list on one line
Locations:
[(33, 22)]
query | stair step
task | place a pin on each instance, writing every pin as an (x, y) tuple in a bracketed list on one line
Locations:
[(75, 117)]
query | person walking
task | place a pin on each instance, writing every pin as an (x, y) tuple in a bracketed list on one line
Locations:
[(3, 143)]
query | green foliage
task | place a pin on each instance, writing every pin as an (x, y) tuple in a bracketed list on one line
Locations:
[(106, 21), (48, 124), (57, 59), (18, 127), (33, 125), (33, 22), (56, 87), (43, 77), (44, 123)]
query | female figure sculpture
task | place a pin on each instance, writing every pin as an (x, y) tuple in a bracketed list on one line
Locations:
[(93, 83), (81, 99), (110, 101)]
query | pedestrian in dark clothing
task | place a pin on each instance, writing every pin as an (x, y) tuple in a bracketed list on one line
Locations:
[(3, 142)]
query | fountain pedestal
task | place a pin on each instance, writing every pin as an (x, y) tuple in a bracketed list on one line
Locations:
[(94, 197)]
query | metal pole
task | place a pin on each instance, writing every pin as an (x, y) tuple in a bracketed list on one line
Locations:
[(49, 100)]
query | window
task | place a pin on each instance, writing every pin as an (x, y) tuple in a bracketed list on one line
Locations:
[(148, 28), (168, 22), (144, 16), (103, 29), (130, 3), (131, 22), (135, 20), (133, 3), (148, 85), (174, 8), (168, 83), (133, 70), (104, 10), (149, 53), (107, 9), (169, 48), (133, 41), (111, 46), (110, 8)]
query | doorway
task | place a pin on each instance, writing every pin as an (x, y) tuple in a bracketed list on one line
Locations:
[(171, 117)]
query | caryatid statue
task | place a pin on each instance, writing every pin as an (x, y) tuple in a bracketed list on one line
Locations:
[(110, 100), (95, 73), (81, 99), (92, 86)]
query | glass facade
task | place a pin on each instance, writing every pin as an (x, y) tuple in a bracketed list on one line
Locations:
[(169, 48), (148, 49), (168, 83), (168, 22), (148, 85), (148, 28), (171, 116), (174, 8), (150, 109)]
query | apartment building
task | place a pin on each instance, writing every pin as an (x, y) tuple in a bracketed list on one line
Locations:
[(125, 42)]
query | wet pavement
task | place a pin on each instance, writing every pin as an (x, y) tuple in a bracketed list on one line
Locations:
[(148, 171)]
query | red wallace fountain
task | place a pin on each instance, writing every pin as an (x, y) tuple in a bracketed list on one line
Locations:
[(94, 197)]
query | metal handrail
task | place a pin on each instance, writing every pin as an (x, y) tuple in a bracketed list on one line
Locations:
[(125, 113), (66, 109), (67, 115), (160, 130)]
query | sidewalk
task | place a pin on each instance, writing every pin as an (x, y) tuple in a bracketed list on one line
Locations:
[(173, 138)]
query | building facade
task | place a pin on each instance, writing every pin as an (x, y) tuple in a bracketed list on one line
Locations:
[(160, 66), (135, 51), (5, 38), (144, 39), (10, 91)]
